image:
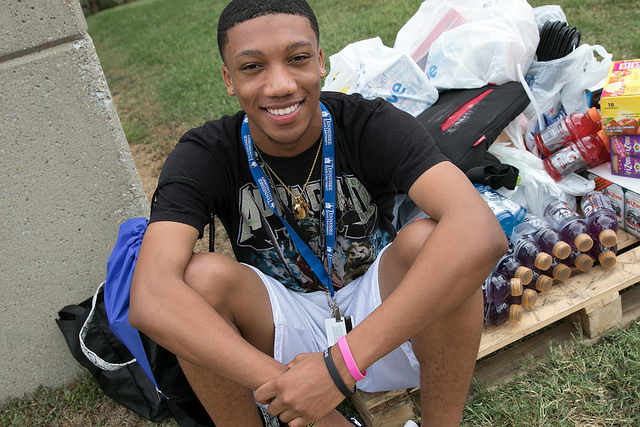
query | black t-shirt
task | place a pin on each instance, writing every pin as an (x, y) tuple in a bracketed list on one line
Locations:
[(380, 152)]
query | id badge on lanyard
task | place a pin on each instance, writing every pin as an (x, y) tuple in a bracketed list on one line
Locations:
[(336, 325)]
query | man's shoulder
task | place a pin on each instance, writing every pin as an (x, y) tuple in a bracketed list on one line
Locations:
[(226, 128)]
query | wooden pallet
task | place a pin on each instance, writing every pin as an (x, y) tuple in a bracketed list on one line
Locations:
[(592, 301)]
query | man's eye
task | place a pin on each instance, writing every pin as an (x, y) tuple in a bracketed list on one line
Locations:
[(249, 67), (299, 58)]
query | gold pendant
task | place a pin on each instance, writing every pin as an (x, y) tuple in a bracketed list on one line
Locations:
[(300, 208)]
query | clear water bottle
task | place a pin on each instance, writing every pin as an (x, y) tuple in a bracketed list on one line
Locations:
[(571, 227), (602, 221), (508, 212)]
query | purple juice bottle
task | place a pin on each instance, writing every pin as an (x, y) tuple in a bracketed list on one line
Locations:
[(511, 268), (580, 260), (497, 288), (528, 298), (602, 221), (606, 256), (529, 254), (546, 237), (540, 282), (497, 315), (571, 227), (559, 270)]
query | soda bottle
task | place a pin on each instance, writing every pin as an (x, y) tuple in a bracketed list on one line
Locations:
[(508, 212), (605, 155), (528, 298), (602, 221), (579, 260), (571, 227), (576, 156), (529, 254), (567, 129), (559, 271), (540, 282), (544, 235), (606, 256), (510, 268), (498, 314)]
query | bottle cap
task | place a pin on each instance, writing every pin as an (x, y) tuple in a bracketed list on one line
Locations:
[(607, 259), (516, 287), (594, 114), (529, 297), (561, 250), (584, 262), (608, 238), (583, 242), (561, 272), (524, 274), (515, 312), (543, 261), (544, 283)]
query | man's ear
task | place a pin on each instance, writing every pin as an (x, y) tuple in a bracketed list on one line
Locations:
[(228, 81), (323, 71)]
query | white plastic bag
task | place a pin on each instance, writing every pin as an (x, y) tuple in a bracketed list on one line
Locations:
[(432, 19), (374, 70), (488, 49), (563, 81), (536, 185), (548, 13)]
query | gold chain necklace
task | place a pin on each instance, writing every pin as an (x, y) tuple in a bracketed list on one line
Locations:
[(300, 207)]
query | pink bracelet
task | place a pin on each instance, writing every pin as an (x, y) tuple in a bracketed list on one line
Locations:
[(348, 359)]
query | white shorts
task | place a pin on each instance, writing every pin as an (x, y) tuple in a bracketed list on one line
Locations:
[(299, 320)]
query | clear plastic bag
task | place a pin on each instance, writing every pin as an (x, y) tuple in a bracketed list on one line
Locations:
[(488, 49), (536, 185), (374, 70), (562, 82)]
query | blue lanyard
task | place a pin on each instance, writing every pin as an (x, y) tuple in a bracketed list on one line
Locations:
[(329, 184)]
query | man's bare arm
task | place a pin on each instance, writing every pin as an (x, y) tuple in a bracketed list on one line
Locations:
[(165, 308)]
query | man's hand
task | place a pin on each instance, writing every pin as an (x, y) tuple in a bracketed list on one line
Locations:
[(303, 394)]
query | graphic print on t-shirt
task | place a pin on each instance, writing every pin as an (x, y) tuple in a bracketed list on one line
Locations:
[(358, 239)]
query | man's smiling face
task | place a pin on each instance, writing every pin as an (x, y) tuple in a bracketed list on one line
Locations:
[(273, 64)]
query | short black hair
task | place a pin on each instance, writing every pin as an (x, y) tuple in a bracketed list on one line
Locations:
[(238, 11)]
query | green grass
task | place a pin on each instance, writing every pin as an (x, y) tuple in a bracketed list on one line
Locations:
[(161, 61), (576, 385)]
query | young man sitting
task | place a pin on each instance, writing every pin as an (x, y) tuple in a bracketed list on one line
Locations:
[(304, 183)]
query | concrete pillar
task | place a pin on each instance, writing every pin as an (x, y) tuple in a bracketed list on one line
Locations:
[(67, 181)]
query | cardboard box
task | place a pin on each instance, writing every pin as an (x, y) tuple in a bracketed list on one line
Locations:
[(624, 194), (620, 100)]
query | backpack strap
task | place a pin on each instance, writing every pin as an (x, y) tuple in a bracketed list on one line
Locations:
[(203, 193)]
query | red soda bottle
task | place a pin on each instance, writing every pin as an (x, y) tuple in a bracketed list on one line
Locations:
[(606, 256), (605, 155), (510, 268), (602, 220), (567, 129), (569, 224), (577, 156)]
